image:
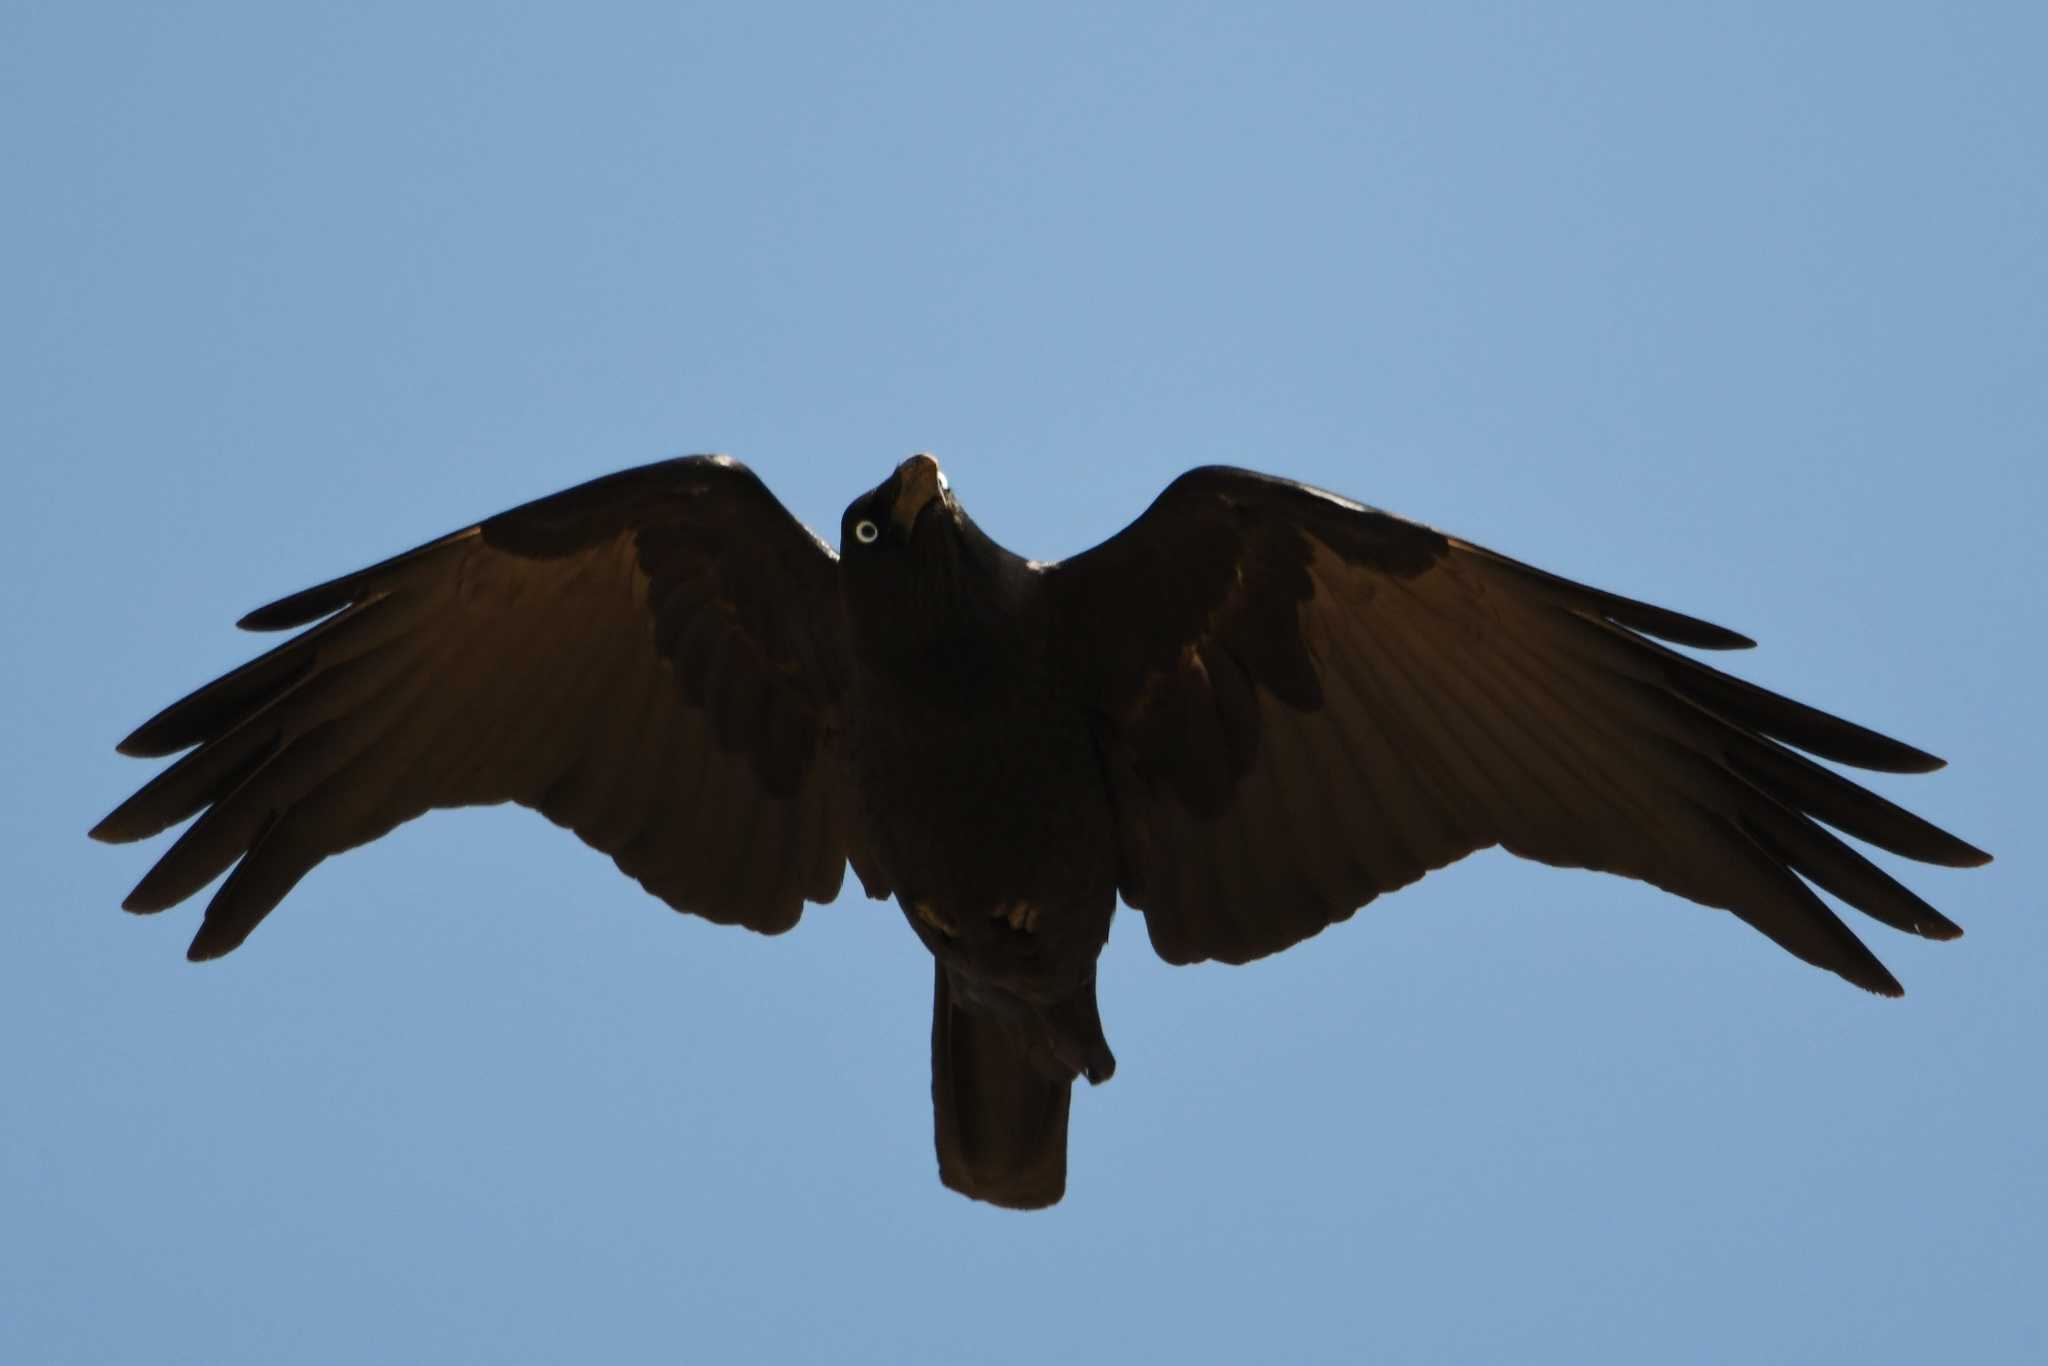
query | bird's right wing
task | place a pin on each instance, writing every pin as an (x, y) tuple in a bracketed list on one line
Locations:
[(654, 659), (1306, 702)]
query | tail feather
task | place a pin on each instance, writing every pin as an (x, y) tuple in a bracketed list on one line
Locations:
[(1000, 1122)]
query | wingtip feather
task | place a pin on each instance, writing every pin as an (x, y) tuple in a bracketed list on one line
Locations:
[(1684, 630), (1863, 968), (218, 936), (1679, 628), (144, 742), (296, 610)]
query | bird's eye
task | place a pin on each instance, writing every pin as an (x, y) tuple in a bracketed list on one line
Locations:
[(866, 532)]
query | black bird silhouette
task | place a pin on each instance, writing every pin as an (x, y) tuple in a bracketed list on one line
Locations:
[(1249, 713)]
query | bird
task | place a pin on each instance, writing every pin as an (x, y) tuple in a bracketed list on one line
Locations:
[(1248, 714)]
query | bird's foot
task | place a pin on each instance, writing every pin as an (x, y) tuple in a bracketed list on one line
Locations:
[(924, 911), (1021, 915)]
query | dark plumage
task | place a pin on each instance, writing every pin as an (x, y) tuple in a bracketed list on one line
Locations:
[(1249, 713)]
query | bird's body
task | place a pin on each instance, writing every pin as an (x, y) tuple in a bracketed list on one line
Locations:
[(1248, 714), (980, 780)]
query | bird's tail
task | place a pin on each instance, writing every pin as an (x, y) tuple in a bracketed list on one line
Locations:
[(1000, 1119)]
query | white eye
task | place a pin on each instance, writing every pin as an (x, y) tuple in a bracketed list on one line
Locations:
[(866, 532)]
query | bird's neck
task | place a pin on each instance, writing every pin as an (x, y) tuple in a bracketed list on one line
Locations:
[(954, 630)]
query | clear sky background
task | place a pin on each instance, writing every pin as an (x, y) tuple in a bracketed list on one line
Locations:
[(1739, 308)]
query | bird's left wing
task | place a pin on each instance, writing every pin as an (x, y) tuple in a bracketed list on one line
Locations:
[(1305, 702), (654, 659)]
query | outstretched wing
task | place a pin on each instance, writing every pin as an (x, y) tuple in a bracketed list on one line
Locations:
[(1307, 702), (653, 659)]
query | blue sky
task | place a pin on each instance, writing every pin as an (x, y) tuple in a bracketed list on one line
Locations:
[(1739, 308)]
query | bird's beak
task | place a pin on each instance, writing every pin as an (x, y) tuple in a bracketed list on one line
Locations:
[(918, 481)]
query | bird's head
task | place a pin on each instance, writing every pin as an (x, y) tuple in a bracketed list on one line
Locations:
[(921, 580), (907, 510)]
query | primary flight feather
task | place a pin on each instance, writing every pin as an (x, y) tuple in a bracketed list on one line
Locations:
[(1249, 713)]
